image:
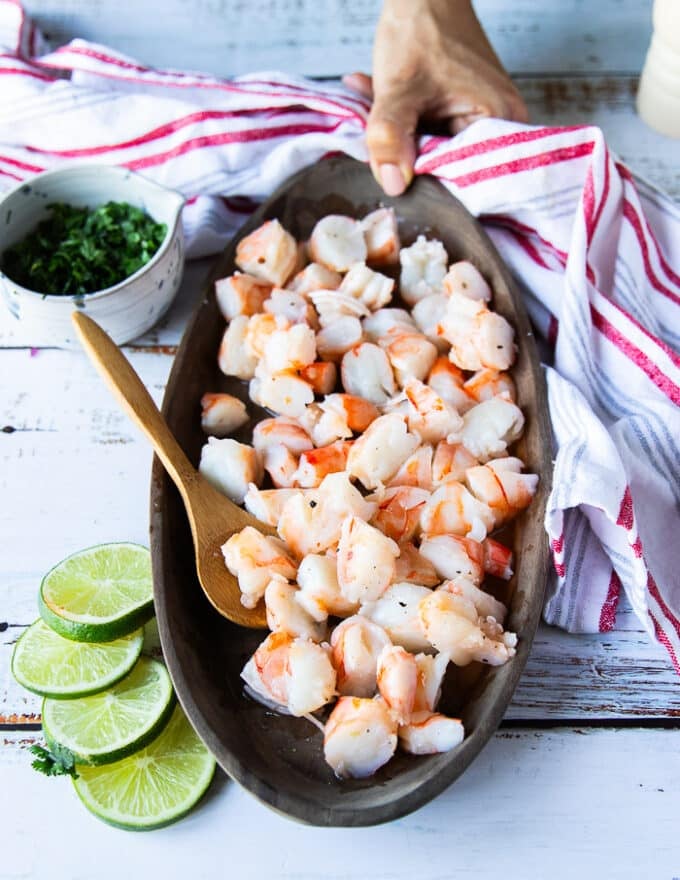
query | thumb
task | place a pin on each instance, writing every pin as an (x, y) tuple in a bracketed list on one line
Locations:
[(390, 135)]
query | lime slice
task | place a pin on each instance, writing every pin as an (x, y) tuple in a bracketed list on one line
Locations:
[(45, 663), (116, 722), (153, 787), (99, 594)]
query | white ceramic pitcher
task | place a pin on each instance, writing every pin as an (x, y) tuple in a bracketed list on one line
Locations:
[(658, 100)]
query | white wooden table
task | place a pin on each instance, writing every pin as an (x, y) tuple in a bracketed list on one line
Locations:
[(583, 778)]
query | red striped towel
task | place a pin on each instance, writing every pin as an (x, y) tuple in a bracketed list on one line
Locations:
[(593, 248)]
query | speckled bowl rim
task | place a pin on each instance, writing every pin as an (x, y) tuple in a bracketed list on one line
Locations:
[(116, 171)]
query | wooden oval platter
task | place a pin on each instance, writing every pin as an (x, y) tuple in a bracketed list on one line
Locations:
[(279, 758)]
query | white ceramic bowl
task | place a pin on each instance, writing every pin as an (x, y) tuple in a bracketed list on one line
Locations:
[(125, 310)]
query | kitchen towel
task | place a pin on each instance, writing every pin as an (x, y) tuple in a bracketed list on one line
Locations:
[(592, 247)]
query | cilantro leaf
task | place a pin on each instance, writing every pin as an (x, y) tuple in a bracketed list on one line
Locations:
[(54, 761)]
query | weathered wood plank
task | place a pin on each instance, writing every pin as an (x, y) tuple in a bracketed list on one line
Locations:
[(330, 37), (534, 804)]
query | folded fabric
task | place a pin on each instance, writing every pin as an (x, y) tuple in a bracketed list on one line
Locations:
[(592, 247)]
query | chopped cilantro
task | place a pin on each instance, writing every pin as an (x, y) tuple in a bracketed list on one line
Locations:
[(81, 250), (55, 761)]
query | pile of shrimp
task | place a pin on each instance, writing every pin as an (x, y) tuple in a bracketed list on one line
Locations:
[(388, 457)]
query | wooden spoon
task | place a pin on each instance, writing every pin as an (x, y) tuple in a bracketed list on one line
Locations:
[(212, 516)]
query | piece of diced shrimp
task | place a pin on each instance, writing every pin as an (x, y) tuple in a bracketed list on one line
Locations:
[(382, 321), (423, 267), (503, 489), (286, 615), (290, 349), (356, 644), (428, 314), (452, 509), (321, 375), (281, 465), (259, 331), (397, 677), (254, 559), (222, 414), (315, 464), (429, 415), (381, 450), (430, 733), (413, 568), (334, 341), (319, 592), (240, 294), (233, 358), (382, 237), (416, 470), (360, 737), (356, 412), (292, 306), (366, 561), (366, 372), (269, 253), (431, 672), (449, 382), (331, 305), (230, 466), (450, 462), (285, 431), (285, 393), (411, 354), (485, 604), (398, 514), (371, 288), (336, 242), (487, 383), (490, 427), (465, 279), (396, 612), (267, 504), (314, 277)]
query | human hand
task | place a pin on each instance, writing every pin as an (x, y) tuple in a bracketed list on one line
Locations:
[(431, 61)]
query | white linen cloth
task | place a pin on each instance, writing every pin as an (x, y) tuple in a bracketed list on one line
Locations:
[(593, 248)]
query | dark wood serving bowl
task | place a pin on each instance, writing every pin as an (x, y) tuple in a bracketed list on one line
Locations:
[(278, 758)]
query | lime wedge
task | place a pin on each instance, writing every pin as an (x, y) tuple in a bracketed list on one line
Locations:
[(99, 594), (153, 787), (116, 722), (45, 663)]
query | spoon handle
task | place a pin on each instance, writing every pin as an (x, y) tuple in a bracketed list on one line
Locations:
[(131, 393)]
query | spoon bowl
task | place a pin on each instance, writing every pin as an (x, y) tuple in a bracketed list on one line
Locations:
[(213, 518)]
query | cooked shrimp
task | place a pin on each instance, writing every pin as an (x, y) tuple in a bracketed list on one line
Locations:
[(286, 615), (259, 331), (360, 737), (381, 450), (240, 295), (269, 253), (501, 486), (410, 354), (382, 321), (423, 267), (485, 604), (297, 674), (465, 279), (397, 677), (431, 733), (290, 349), (254, 559), (382, 237), (315, 464), (314, 277), (356, 412), (233, 358), (428, 313), (451, 625), (321, 375), (336, 242), (292, 306), (324, 424), (284, 431), (486, 384), (450, 462), (478, 337), (267, 504), (454, 556), (281, 465), (284, 393), (431, 672), (399, 509), (413, 568), (356, 645), (416, 470), (331, 305), (230, 466), (222, 414), (497, 559), (490, 427), (319, 592), (371, 288), (453, 510), (366, 372), (334, 341), (366, 561), (429, 415), (396, 612), (449, 382), (312, 522)]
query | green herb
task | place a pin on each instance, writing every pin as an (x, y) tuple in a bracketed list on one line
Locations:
[(57, 761), (82, 250)]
